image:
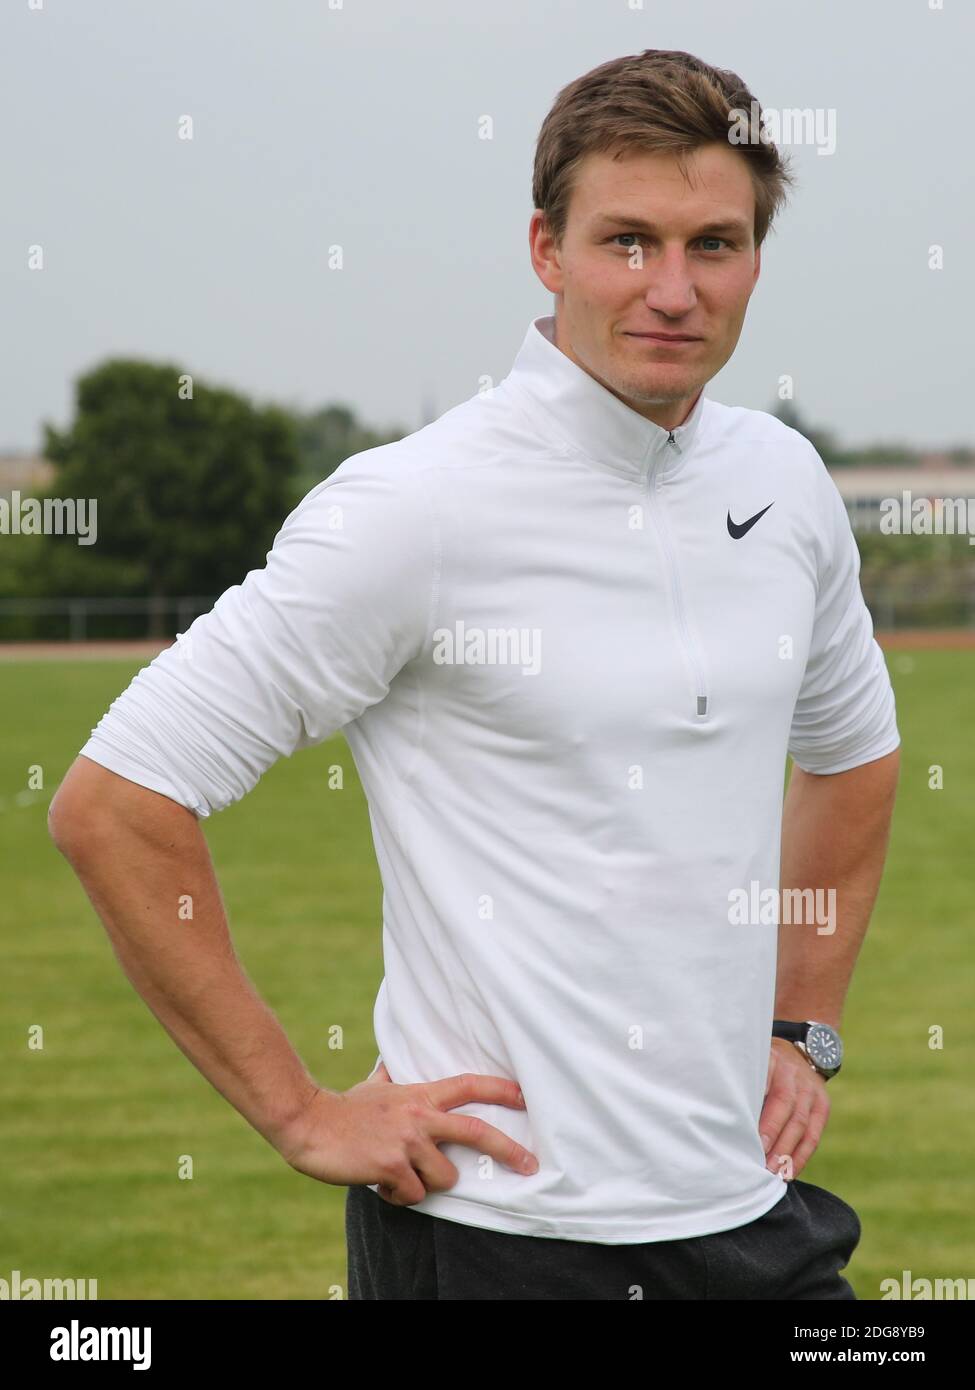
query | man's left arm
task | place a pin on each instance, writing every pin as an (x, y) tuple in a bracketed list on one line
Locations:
[(835, 832), (836, 818)]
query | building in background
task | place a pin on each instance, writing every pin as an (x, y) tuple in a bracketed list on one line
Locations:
[(24, 473), (863, 489)]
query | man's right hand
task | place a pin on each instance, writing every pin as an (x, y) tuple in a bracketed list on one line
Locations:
[(380, 1132)]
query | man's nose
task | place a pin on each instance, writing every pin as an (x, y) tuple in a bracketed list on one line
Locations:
[(670, 287)]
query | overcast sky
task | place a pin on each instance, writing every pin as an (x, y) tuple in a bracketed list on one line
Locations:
[(358, 126)]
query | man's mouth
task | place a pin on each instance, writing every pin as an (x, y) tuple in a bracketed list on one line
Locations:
[(666, 337)]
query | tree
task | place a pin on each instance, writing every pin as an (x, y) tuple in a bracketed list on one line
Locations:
[(327, 437), (190, 492), (822, 440)]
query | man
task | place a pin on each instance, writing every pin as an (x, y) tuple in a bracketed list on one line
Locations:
[(570, 631)]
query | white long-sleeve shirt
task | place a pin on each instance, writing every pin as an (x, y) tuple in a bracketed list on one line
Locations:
[(569, 691)]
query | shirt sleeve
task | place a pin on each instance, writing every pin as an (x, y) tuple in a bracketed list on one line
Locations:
[(297, 650), (845, 713)]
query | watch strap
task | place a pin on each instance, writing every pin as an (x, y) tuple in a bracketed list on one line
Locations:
[(792, 1032)]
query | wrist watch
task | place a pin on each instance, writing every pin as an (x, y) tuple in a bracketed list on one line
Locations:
[(820, 1044)]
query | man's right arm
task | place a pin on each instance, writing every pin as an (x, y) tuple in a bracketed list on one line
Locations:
[(144, 862), (141, 857)]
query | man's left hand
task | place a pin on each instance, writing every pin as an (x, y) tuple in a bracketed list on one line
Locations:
[(795, 1111)]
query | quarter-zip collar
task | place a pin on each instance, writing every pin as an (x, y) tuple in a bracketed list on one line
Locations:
[(589, 417)]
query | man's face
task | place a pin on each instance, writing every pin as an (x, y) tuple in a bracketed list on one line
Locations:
[(692, 272)]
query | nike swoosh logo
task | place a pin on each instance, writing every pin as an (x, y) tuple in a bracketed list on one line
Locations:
[(736, 530)]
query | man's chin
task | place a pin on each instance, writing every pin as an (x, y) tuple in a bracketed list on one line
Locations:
[(657, 387)]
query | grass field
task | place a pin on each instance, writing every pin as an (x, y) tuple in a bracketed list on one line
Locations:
[(94, 1125)]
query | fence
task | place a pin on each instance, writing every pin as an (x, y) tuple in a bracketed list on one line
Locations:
[(71, 618), (933, 600)]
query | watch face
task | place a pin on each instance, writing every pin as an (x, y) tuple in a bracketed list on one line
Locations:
[(824, 1046)]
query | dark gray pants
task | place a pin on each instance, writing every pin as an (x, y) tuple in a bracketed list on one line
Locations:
[(795, 1251)]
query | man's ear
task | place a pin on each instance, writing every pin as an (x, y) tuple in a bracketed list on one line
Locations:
[(544, 254), (758, 266)]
